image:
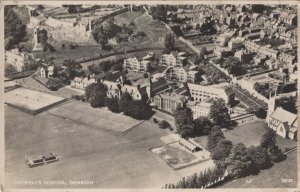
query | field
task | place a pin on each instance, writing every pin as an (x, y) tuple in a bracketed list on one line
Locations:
[(275, 177), (250, 134), (103, 118), (155, 30), (30, 100), (76, 54), (87, 153), (126, 17)]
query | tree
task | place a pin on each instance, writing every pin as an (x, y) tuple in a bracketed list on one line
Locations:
[(72, 68), (158, 12), (203, 51), (221, 150), (163, 124), (288, 103), (9, 68), (169, 41), (219, 113), (14, 30), (259, 156), (238, 162), (138, 110), (183, 117), (54, 83), (268, 140), (125, 101), (214, 137), (261, 113), (202, 126), (112, 104), (95, 94), (258, 8), (117, 67)]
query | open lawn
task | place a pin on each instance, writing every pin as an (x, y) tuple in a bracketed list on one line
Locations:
[(103, 118), (250, 134), (155, 30), (275, 177), (126, 17)]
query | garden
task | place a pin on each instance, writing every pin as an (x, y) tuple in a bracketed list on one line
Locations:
[(247, 98)]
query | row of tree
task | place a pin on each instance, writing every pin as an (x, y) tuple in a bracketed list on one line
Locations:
[(95, 94), (235, 160), (200, 180), (188, 127)]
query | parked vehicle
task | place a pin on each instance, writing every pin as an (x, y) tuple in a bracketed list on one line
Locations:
[(41, 159)]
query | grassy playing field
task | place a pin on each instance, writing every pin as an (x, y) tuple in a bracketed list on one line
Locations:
[(109, 159), (102, 118)]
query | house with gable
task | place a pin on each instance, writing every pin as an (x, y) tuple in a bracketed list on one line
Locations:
[(284, 123)]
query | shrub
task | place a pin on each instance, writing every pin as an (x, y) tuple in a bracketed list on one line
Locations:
[(112, 104), (163, 124), (54, 84), (155, 120), (71, 46)]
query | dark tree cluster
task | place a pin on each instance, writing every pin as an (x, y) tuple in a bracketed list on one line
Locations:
[(234, 66), (288, 103), (95, 94), (54, 83), (264, 89), (15, 30), (219, 113), (169, 42), (43, 39), (72, 69), (184, 121), (186, 126)]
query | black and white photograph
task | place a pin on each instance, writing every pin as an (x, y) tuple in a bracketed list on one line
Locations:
[(149, 95)]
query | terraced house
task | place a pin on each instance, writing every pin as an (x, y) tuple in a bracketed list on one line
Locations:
[(134, 65), (174, 59)]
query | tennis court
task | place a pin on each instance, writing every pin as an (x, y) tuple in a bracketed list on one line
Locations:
[(31, 101), (99, 117)]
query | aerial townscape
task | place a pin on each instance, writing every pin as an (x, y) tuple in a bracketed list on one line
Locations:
[(151, 96)]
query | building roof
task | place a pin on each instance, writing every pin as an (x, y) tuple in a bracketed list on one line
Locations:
[(188, 144), (114, 76), (284, 116), (161, 82)]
